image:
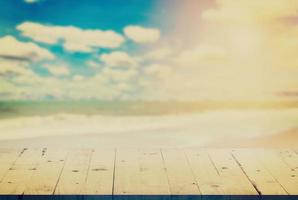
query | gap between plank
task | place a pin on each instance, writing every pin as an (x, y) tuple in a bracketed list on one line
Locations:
[(114, 171), (65, 160), (253, 184)]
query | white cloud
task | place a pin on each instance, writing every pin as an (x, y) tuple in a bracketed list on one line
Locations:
[(118, 75), (142, 35), (78, 78), (118, 59), (158, 70), (93, 64), (17, 81), (159, 54), (73, 38), (250, 11), (8, 90), (57, 70), (11, 48), (123, 87), (9, 68), (31, 1), (203, 54)]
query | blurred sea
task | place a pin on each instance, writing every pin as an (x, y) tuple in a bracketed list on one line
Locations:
[(12, 109)]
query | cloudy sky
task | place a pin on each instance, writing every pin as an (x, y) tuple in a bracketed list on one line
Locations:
[(149, 50)]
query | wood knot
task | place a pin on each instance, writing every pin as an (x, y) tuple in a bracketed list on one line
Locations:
[(99, 169)]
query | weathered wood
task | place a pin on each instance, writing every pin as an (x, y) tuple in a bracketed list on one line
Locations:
[(235, 181), (7, 159), (45, 177), (127, 172), (290, 157), (205, 173), (180, 176), (19, 175), (74, 174), (148, 171), (99, 179), (259, 176), (279, 170), (140, 172)]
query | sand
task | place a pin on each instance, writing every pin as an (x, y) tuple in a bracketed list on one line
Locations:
[(221, 128)]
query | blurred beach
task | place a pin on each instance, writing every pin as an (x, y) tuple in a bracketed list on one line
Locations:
[(131, 124)]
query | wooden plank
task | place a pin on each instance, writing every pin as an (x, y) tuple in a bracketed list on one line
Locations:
[(205, 173), (180, 176), (20, 173), (140, 172), (7, 158), (73, 177), (148, 171), (290, 157), (101, 172), (235, 181), (279, 170), (46, 176), (153, 175), (127, 172), (257, 173)]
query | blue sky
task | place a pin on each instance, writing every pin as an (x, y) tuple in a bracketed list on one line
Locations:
[(148, 49), (90, 14)]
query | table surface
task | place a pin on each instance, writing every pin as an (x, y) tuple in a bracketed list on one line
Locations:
[(166, 171)]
